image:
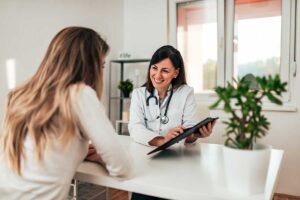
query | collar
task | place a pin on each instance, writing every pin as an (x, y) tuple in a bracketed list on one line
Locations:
[(168, 92), (164, 101)]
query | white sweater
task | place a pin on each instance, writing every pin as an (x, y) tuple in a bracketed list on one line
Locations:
[(52, 178)]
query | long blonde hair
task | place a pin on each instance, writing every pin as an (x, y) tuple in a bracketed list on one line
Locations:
[(41, 106)]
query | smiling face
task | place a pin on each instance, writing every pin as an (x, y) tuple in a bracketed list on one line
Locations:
[(162, 73)]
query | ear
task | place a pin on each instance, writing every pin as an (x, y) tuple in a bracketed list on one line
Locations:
[(176, 73)]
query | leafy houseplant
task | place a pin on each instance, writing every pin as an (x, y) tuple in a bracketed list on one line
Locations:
[(126, 87), (247, 123)]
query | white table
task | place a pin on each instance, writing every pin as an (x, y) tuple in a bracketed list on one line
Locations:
[(193, 172)]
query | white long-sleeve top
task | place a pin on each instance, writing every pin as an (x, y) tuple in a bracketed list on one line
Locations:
[(144, 123), (51, 179)]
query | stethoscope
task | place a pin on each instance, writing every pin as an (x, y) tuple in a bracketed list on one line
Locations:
[(164, 119)]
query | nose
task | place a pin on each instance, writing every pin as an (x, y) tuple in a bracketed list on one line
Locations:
[(158, 74)]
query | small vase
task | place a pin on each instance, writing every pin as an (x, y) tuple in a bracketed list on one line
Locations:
[(125, 94)]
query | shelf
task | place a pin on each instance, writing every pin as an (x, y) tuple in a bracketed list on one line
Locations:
[(120, 63), (120, 98), (129, 60), (122, 121)]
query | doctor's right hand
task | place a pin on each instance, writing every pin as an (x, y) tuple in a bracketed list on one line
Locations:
[(173, 132)]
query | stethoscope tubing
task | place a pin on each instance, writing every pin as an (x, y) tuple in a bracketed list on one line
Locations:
[(164, 119)]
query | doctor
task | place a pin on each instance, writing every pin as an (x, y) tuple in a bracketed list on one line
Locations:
[(165, 105)]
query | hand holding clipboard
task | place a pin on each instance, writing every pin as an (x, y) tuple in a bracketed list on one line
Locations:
[(187, 132)]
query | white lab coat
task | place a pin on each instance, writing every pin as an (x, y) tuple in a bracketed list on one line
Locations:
[(144, 124)]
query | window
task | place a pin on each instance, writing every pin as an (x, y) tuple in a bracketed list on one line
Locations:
[(257, 37), (197, 41), (225, 39)]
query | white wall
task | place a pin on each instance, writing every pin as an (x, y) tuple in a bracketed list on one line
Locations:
[(28, 26), (145, 26)]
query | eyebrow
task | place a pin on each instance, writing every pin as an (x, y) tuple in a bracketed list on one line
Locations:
[(162, 67)]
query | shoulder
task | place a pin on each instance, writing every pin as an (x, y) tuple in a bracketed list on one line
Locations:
[(81, 90), (83, 95), (139, 91), (184, 90)]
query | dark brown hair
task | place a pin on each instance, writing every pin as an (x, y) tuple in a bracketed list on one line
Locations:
[(174, 55)]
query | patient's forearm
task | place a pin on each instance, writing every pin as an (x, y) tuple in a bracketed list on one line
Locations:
[(95, 158)]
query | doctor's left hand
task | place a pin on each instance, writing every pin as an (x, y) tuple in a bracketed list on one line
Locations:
[(206, 131)]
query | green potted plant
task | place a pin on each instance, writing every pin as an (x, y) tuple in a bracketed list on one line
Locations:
[(126, 87), (243, 101)]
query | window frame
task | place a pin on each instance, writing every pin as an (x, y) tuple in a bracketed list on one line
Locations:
[(225, 68)]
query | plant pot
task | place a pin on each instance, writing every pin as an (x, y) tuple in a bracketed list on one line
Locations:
[(125, 94), (246, 170)]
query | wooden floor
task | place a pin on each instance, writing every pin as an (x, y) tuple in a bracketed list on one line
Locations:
[(285, 197), (114, 194)]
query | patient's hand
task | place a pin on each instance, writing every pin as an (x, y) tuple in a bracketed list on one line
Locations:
[(92, 155), (91, 150)]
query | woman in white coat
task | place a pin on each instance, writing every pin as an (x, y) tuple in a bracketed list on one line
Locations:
[(165, 105)]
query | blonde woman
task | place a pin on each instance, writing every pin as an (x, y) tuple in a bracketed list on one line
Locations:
[(50, 119)]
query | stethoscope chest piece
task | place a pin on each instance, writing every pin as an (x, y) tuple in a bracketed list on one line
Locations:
[(164, 119)]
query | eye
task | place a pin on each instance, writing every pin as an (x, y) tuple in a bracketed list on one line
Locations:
[(165, 71), (154, 67)]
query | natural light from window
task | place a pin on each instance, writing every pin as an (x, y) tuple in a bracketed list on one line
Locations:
[(11, 73), (256, 40), (257, 37), (197, 41)]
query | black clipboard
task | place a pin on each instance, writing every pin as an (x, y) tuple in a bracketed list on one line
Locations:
[(185, 134)]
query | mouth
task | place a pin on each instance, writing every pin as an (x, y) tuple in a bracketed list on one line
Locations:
[(157, 81)]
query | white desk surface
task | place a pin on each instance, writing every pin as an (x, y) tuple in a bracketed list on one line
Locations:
[(185, 173)]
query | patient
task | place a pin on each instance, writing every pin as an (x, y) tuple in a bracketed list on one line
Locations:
[(50, 118)]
